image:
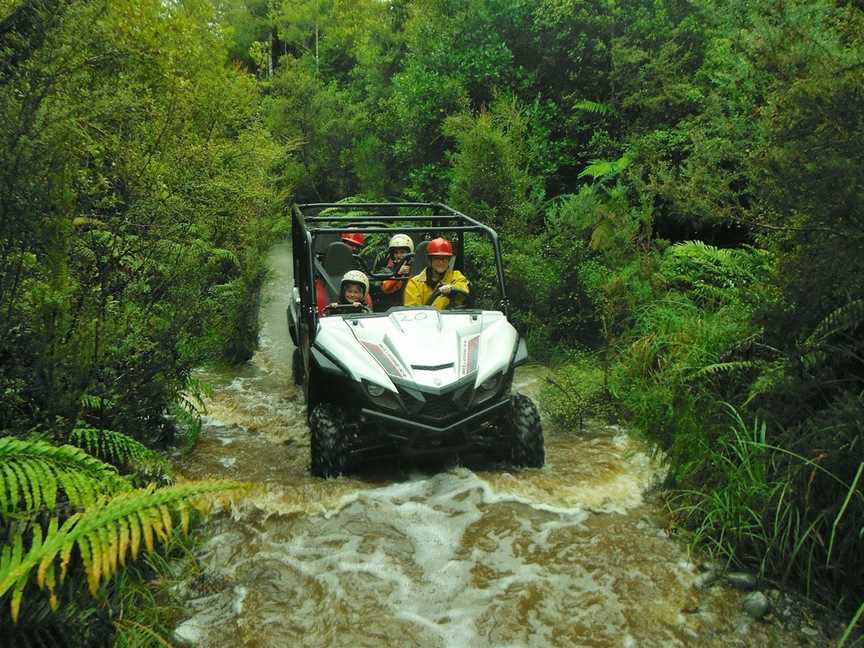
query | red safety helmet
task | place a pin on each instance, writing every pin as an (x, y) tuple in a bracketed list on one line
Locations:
[(354, 238), (439, 247)]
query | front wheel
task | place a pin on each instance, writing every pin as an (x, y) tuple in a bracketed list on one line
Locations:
[(525, 433), (328, 441)]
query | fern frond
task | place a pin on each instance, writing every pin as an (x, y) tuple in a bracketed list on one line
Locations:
[(118, 449), (92, 402), (32, 473), (105, 535), (593, 107), (603, 168), (225, 256), (844, 318), (770, 379), (721, 368)]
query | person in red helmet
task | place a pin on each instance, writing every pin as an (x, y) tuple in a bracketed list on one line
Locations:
[(436, 276), (354, 239)]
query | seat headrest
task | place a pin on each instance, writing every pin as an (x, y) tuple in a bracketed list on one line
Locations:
[(421, 260), (338, 259)]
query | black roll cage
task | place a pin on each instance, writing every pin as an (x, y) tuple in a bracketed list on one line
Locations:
[(307, 219)]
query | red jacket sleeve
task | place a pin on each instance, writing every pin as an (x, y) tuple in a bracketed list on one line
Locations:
[(320, 295)]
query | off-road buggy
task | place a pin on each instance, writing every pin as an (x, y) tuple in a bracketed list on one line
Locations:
[(408, 381)]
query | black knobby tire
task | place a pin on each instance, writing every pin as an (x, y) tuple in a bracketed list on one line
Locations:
[(297, 367), (526, 433), (328, 441)]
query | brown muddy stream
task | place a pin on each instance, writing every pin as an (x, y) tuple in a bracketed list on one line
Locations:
[(569, 555)]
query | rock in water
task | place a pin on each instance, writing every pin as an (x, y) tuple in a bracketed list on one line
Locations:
[(756, 605), (741, 580)]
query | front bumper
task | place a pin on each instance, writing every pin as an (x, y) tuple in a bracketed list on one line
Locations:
[(414, 437)]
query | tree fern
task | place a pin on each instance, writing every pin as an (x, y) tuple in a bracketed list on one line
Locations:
[(33, 472), (105, 535), (118, 449)]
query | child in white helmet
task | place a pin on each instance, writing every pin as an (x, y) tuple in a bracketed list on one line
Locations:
[(354, 291), (399, 247)]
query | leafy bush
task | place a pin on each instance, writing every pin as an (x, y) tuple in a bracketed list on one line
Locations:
[(577, 391)]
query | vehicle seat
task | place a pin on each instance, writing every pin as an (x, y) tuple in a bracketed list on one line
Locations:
[(338, 259), (421, 260), (322, 241)]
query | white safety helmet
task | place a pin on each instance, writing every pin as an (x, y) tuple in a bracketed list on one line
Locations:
[(401, 241), (355, 276)]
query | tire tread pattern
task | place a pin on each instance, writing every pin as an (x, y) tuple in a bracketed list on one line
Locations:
[(527, 448), (327, 441)]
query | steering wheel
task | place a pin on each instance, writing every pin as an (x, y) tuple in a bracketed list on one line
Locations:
[(345, 309), (452, 303)]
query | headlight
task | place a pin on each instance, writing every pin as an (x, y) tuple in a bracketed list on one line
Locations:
[(374, 390), (490, 384), (487, 389)]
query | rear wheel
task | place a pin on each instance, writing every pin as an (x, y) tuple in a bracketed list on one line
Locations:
[(329, 441), (525, 433)]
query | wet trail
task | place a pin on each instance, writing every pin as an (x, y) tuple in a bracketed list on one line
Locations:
[(569, 555)]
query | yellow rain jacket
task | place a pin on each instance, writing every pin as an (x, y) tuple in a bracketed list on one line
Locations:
[(417, 291)]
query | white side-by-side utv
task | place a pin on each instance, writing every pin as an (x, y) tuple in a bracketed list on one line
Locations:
[(405, 381)]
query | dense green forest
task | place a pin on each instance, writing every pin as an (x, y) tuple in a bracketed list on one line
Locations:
[(678, 187)]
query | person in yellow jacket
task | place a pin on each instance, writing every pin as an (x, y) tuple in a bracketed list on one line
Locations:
[(438, 276)]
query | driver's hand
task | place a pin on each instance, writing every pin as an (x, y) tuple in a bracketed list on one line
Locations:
[(445, 289), (356, 304)]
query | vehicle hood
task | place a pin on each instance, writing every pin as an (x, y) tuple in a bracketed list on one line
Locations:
[(423, 347)]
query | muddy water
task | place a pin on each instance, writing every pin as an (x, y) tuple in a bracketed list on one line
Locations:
[(569, 555)]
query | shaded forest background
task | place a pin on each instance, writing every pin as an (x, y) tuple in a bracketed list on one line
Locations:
[(678, 186)]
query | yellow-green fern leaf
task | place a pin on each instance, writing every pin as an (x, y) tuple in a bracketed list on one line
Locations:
[(32, 472), (46, 567), (123, 545), (184, 518), (92, 532)]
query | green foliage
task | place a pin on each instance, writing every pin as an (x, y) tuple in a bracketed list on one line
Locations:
[(104, 536), (119, 450), (601, 169), (137, 197), (61, 505), (760, 507), (594, 107), (715, 277), (34, 473), (488, 177), (730, 517), (577, 391)]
